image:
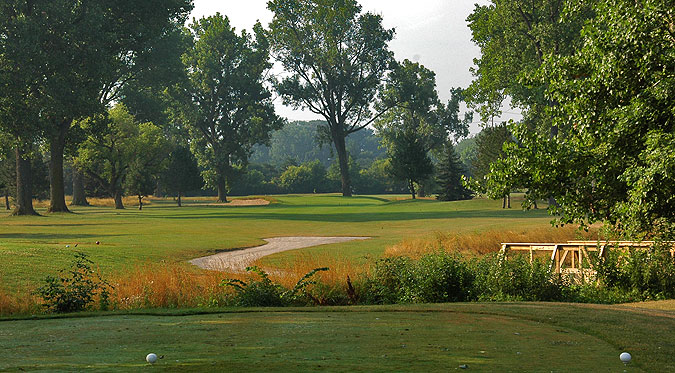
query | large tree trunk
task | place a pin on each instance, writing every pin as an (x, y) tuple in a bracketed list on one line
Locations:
[(508, 198), (57, 201), (222, 188), (24, 186), (411, 186), (118, 200), (79, 196), (504, 202), (343, 160), (7, 206), (179, 200)]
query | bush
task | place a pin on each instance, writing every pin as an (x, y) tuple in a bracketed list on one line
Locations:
[(649, 273), (386, 283), (439, 277), (76, 290), (263, 292), (515, 278), (309, 177)]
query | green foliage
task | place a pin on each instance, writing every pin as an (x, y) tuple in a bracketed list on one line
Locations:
[(149, 163), (116, 146), (649, 274), (376, 179), (299, 141), (515, 38), (445, 277), (263, 292), (336, 58), (74, 290), (386, 283), (418, 122), (449, 176), (410, 160), (489, 149), (608, 155), (309, 177), (515, 278), (182, 172), (224, 102), (438, 278)]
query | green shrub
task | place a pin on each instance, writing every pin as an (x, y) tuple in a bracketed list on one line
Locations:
[(385, 285), (263, 292), (649, 273), (438, 277), (76, 288), (515, 278)]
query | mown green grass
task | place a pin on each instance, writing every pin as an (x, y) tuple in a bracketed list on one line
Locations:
[(31, 247), (487, 337)]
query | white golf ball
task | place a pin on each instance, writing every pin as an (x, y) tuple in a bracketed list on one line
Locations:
[(151, 358), (67, 246), (625, 357)]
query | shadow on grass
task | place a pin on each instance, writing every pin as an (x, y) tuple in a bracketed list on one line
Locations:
[(53, 236), (364, 216)]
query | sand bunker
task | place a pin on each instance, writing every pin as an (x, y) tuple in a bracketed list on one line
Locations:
[(239, 202), (238, 260)]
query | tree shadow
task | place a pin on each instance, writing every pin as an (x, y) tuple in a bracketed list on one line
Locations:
[(54, 236), (359, 217)]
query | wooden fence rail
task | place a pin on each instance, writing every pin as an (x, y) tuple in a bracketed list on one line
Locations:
[(568, 257)]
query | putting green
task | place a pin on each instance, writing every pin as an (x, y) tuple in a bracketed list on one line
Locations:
[(303, 341)]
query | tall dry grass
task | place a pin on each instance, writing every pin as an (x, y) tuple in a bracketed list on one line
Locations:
[(176, 285), (481, 243), (294, 270), (166, 285), (19, 302)]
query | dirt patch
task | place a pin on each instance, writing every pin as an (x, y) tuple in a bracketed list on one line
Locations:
[(238, 260)]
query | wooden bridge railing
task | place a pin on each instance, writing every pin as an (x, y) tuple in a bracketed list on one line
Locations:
[(568, 257)]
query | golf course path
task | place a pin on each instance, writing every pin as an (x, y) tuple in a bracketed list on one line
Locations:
[(238, 260)]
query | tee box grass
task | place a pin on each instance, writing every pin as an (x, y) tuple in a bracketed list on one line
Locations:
[(486, 337)]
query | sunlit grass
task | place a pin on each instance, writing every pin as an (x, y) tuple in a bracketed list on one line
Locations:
[(31, 247)]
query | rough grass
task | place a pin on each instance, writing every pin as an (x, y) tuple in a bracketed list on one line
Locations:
[(486, 337)]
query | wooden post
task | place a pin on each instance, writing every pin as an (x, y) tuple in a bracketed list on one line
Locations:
[(557, 259)]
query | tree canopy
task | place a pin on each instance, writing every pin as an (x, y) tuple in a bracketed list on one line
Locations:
[(225, 102), (613, 160), (336, 57)]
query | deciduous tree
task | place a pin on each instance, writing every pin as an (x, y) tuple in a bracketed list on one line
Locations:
[(117, 144), (336, 58), (225, 103), (613, 160)]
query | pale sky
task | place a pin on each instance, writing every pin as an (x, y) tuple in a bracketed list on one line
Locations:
[(431, 32)]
